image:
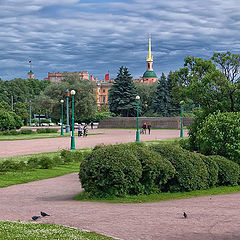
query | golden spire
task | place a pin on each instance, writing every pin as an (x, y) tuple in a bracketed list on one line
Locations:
[(149, 59)]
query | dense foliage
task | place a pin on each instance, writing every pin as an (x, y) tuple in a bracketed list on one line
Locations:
[(219, 134), (191, 172), (228, 171), (122, 95), (131, 169), (9, 120)]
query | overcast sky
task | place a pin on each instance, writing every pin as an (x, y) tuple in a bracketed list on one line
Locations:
[(101, 35)]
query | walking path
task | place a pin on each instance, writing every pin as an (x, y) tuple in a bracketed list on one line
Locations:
[(209, 218), (109, 136), (215, 218)]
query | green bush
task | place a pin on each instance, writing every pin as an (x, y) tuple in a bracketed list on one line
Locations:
[(212, 168), (46, 162), (57, 160), (191, 172), (185, 144), (228, 173), (219, 134), (10, 165), (26, 131), (47, 130), (110, 171), (156, 170), (33, 162)]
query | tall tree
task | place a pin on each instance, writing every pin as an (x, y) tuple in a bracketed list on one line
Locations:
[(122, 95), (147, 95), (162, 102), (49, 101)]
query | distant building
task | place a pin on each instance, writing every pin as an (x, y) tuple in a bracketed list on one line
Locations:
[(58, 77), (30, 75), (149, 76), (103, 87)]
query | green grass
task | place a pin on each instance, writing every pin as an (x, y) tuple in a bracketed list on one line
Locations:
[(18, 177), (36, 136), (160, 196), (33, 231)]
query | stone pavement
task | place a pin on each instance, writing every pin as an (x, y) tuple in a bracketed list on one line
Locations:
[(209, 218), (109, 136)]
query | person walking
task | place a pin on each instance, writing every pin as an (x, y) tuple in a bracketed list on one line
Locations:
[(80, 130), (91, 124), (149, 128)]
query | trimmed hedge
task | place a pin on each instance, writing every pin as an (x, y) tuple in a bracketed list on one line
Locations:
[(212, 168), (228, 173), (191, 172), (110, 171), (156, 170)]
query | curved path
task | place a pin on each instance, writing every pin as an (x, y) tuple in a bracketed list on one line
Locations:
[(214, 218), (109, 136)]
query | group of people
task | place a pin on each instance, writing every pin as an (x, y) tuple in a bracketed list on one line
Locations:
[(82, 131), (144, 128)]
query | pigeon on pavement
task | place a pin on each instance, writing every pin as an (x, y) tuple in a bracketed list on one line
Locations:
[(185, 215), (35, 217), (43, 214)]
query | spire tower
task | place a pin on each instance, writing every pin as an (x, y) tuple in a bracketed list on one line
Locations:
[(149, 76)]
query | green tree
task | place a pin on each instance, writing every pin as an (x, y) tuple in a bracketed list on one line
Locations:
[(9, 120), (212, 84), (122, 95), (162, 101), (147, 96), (22, 110), (48, 101)]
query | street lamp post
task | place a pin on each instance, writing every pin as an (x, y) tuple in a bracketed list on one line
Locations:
[(67, 96), (30, 113), (137, 133), (181, 131), (61, 117), (72, 137)]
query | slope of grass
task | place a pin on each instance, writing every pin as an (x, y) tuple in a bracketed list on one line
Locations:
[(160, 196), (36, 136), (33, 231)]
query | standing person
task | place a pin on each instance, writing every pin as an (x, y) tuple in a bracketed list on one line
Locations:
[(85, 130), (149, 128), (80, 130), (91, 124), (144, 127)]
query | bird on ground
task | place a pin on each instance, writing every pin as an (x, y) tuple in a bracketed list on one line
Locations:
[(184, 215), (43, 214), (35, 217)]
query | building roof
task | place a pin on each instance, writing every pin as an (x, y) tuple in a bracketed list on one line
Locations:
[(150, 74), (30, 72)]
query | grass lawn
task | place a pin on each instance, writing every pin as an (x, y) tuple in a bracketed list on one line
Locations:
[(18, 177), (161, 196), (37, 136), (33, 231)]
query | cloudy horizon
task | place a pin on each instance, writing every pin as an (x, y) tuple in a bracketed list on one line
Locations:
[(101, 35)]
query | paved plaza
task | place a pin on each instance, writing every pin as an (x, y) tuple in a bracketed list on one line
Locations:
[(108, 136), (209, 218)]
